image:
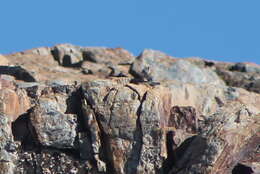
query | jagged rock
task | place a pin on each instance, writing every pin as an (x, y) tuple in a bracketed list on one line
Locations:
[(240, 78), (7, 157), (54, 119), (67, 54), (13, 102), (156, 66), (85, 113), (115, 111), (229, 137), (59, 129)]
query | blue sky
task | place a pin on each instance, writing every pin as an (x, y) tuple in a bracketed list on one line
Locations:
[(225, 30)]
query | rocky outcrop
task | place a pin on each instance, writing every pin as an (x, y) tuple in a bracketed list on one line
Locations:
[(71, 109), (156, 66)]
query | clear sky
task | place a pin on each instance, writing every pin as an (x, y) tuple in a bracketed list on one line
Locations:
[(226, 30)]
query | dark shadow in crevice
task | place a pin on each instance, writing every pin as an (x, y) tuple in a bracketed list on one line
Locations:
[(66, 62), (174, 153), (18, 72), (22, 131), (242, 169), (74, 106), (105, 150), (55, 53)]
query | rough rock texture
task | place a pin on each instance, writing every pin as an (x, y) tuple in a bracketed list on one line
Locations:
[(156, 66), (77, 110), (7, 147)]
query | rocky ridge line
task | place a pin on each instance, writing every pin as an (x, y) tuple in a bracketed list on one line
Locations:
[(71, 109)]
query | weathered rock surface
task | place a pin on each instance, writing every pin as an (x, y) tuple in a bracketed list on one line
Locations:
[(77, 110), (3, 61), (7, 147), (156, 66)]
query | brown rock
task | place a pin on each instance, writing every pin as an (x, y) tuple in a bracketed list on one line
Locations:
[(108, 55), (3, 61), (14, 102), (81, 111)]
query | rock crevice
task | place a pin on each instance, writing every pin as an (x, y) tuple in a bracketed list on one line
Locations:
[(72, 109)]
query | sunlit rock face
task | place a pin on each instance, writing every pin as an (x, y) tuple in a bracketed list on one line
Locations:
[(73, 109)]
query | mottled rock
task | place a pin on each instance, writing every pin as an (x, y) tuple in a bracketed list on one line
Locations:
[(13, 102), (243, 75), (51, 161), (115, 109), (183, 118), (223, 143), (7, 157), (100, 70), (70, 55), (53, 127), (83, 112), (156, 66), (67, 54)]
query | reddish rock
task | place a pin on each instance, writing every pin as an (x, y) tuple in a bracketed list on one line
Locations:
[(100, 110), (14, 102)]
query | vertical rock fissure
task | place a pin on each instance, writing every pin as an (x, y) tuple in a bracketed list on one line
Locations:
[(133, 161), (171, 153), (104, 140)]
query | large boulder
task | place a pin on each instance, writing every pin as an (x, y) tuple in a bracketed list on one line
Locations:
[(54, 119), (67, 54), (71, 55), (153, 65)]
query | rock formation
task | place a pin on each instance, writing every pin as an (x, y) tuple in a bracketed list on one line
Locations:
[(76, 110)]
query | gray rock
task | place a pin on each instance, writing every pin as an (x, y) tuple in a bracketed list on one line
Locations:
[(245, 67), (7, 158), (52, 126), (67, 54), (71, 55), (156, 66)]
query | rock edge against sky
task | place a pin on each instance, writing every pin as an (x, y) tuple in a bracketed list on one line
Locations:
[(71, 109)]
